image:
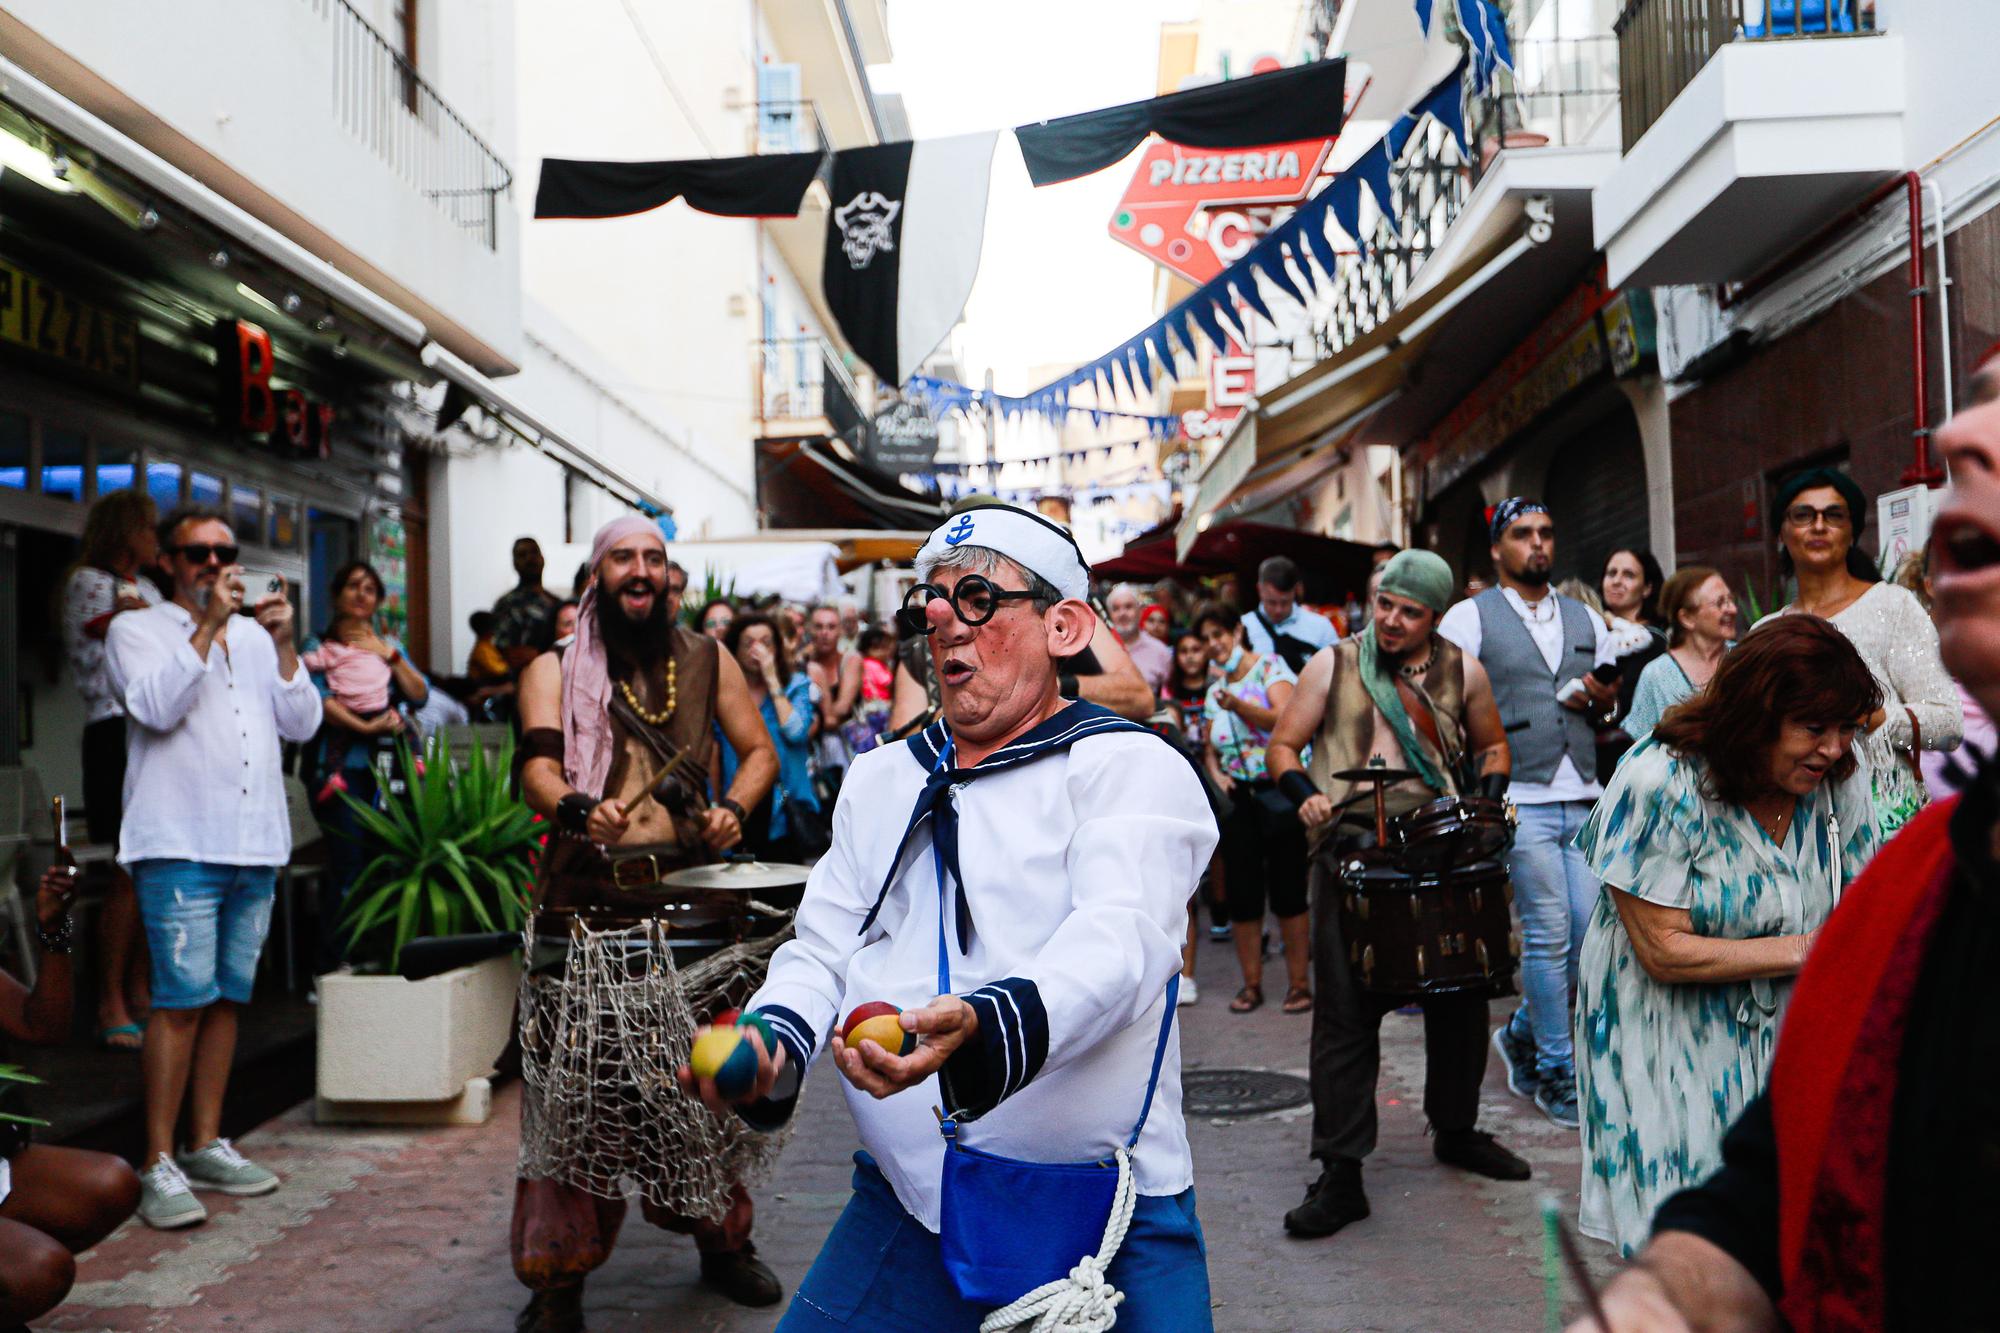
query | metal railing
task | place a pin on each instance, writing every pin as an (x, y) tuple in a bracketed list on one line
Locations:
[(1559, 93), (1663, 44), (381, 100), (790, 127), (802, 379)]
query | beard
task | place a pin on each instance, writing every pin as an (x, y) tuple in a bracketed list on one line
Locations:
[(643, 641), (1530, 575)]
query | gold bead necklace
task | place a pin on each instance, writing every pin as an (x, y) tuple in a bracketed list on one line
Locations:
[(660, 718)]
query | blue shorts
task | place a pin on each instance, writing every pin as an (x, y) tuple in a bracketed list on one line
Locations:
[(882, 1271), (205, 925)]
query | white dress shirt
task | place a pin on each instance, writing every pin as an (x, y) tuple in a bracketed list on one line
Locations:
[(1543, 621), (202, 781), (1078, 869)]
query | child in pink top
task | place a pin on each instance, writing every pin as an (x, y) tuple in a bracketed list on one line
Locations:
[(358, 678)]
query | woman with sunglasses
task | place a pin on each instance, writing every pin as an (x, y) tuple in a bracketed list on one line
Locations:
[(1819, 515)]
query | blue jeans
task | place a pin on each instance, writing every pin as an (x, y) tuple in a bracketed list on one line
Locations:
[(1555, 893), (882, 1271), (205, 925)]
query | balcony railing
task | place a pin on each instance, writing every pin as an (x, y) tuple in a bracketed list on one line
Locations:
[(789, 127), (802, 379), (381, 100), (1559, 94), (1663, 44)]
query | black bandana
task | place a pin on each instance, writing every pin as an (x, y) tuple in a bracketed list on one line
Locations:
[(1513, 507)]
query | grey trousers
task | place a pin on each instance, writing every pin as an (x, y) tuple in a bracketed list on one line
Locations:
[(1347, 1044)]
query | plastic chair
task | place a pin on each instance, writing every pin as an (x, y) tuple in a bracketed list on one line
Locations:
[(1794, 18)]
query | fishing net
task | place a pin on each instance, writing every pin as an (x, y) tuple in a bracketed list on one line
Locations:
[(601, 1038)]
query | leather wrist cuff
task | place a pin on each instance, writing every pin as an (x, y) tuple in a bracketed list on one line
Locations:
[(573, 812), (734, 808), (1297, 787), (1493, 786)]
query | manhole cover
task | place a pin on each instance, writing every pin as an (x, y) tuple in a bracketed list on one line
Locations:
[(1240, 1091)]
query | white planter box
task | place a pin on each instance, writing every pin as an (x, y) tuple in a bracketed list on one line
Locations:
[(384, 1039)]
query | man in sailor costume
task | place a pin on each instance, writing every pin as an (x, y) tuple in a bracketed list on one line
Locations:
[(1057, 846)]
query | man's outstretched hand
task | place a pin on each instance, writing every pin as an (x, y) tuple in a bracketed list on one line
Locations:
[(942, 1026)]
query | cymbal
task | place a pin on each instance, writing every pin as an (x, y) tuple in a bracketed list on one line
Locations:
[(743, 875), (1373, 773)]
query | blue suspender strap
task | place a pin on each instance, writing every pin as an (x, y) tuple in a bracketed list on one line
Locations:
[(937, 861), (1159, 1056)]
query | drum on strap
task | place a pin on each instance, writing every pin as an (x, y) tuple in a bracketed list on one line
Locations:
[(1415, 935), (1452, 831)]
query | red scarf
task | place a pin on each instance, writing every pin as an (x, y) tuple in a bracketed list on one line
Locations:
[(1833, 1084)]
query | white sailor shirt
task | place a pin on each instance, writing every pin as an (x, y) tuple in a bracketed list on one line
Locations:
[(1078, 867)]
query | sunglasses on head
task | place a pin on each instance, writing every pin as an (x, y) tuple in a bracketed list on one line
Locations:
[(199, 553)]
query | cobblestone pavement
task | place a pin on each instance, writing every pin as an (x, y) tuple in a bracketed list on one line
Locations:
[(407, 1229)]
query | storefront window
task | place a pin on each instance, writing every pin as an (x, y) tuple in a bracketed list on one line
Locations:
[(246, 511), (163, 483), (13, 451), (62, 462), (284, 523), (114, 468), (204, 490)]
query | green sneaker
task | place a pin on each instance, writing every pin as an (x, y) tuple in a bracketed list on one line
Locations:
[(219, 1167), (165, 1200)]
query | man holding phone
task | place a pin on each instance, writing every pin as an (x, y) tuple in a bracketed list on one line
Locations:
[(1545, 655), (212, 694)]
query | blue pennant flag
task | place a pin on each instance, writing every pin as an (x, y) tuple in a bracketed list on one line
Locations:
[(1345, 196), (1424, 15), (1373, 171)]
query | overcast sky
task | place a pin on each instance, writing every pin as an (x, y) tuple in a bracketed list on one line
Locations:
[(1053, 287)]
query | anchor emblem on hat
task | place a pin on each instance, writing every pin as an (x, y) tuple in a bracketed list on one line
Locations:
[(960, 531)]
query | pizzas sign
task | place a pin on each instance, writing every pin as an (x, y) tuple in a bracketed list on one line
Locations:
[(1189, 209)]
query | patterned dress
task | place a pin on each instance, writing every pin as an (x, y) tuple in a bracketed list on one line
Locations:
[(1664, 1069)]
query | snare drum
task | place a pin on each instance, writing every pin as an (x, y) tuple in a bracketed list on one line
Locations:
[(1452, 831), (1416, 935)]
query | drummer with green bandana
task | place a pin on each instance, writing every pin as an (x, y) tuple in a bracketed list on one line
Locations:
[(1399, 695)]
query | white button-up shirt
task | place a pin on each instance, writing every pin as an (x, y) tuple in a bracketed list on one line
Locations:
[(202, 781)]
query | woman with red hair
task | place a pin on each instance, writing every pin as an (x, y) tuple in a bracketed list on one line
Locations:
[(1722, 842)]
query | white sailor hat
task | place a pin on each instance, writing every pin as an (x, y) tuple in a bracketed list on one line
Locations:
[(1029, 540)]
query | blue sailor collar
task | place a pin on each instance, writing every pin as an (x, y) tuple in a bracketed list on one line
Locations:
[(933, 749)]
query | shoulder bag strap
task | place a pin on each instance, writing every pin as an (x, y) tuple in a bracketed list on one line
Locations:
[(1159, 1056)]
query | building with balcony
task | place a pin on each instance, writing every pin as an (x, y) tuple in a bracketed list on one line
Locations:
[(1808, 185)]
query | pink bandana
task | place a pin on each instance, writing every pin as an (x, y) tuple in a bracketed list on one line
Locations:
[(586, 687)]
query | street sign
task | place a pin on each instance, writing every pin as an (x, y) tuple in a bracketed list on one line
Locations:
[(1191, 209)]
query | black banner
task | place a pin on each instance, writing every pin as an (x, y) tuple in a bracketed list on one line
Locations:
[(861, 271)]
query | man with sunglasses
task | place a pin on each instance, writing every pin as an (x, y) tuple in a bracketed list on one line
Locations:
[(1035, 856), (212, 694)]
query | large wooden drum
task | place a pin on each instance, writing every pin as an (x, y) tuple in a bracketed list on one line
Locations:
[(1410, 935)]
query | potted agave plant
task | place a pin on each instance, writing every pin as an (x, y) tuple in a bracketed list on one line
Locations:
[(453, 857)]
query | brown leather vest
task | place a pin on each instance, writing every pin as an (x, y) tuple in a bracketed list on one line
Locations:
[(574, 873), (1346, 736)]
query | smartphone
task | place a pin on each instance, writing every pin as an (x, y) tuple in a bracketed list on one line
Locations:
[(259, 584)]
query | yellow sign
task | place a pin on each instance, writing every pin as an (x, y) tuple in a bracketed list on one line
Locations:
[(50, 321)]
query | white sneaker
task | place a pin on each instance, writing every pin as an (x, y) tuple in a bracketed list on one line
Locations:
[(218, 1166), (166, 1200), (1189, 992)]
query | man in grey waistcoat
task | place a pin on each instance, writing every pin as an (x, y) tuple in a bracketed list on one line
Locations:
[(1534, 645)]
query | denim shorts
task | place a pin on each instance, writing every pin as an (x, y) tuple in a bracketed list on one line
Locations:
[(205, 925)]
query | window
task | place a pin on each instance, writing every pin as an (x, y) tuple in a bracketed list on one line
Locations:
[(115, 466), (13, 451), (284, 523), (163, 483), (246, 511), (62, 462), (204, 490)]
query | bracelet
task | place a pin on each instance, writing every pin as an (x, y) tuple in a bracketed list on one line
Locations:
[(60, 940), (1296, 786), (742, 816), (573, 812)]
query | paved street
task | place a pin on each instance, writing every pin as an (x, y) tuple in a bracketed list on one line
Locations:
[(401, 1229)]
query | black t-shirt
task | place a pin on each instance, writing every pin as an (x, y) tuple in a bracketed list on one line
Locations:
[(1943, 1208)]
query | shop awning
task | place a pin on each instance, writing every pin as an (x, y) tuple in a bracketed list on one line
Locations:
[(496, 403), (1296, 434), (820, 484), (1332, 567)]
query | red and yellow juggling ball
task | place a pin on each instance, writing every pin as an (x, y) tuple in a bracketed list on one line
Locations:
[(880, 1023)]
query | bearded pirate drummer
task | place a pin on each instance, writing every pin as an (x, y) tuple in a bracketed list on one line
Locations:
[(614, 731), (1397, 693)]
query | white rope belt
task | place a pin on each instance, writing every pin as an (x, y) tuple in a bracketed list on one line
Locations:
[(1084, 1301)]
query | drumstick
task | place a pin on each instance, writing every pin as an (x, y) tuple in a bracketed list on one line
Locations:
[(646, 792), (1554, 1227)]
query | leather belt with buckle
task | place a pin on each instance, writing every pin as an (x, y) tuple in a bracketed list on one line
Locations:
[(640, 871)]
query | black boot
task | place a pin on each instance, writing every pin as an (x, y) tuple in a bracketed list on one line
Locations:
[(742, 1276), (557, 1310), (1334, 1200), (1471, 1150)]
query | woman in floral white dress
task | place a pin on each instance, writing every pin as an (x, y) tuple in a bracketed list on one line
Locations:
[(1819, 515), (1722, 842)]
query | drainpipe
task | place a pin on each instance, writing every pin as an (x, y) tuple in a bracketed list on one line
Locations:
[(1922, 471), (1936, 192)]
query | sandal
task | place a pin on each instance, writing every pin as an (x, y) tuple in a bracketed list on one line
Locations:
[(122, 1037), (1247, 999), (1298, 1000)]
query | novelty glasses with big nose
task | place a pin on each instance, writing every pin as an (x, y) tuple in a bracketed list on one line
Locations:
[(975, 599)]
